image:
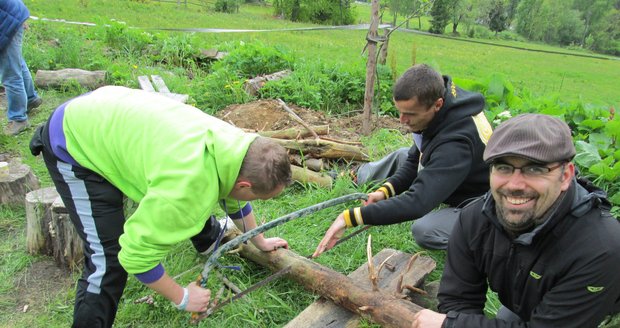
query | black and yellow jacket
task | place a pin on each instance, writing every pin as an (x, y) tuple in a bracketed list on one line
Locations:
[(449, 168), (563, 273)]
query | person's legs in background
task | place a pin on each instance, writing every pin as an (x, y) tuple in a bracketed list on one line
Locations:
[(17, 82)]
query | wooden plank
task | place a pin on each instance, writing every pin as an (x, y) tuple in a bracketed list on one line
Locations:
[(325, 313), (145, 84), (159, 83), (176, 96)]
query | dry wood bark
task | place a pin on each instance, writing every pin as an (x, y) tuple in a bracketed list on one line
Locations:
[(293, 133), (314, 164), (67, 247), (252, 86), (371, 66), (49, 230), (53, 79), (15, 186), (38, 219), (324, 313), (324, 149), (296, 117), (380, 307), (303, 175)]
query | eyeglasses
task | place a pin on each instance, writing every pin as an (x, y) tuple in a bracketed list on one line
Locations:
[(532, 170)]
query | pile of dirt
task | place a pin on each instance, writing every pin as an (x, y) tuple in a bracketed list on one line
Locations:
[(268, 115)]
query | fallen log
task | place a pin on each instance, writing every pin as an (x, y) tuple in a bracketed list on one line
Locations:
[(292, 133), (53, 79), (324, 149), (303, 175), (324, 313), (252, 86), (314, 164), (379, 307)]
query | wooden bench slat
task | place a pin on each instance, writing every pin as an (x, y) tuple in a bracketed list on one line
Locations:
[(145, 84), (160, 84)]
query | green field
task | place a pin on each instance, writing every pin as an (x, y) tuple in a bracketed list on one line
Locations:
[(589, 79)]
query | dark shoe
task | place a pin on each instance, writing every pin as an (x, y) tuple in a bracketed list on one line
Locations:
[(14, 128), (34, 103)]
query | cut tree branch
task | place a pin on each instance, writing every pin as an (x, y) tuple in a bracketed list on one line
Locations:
[(297, 118)]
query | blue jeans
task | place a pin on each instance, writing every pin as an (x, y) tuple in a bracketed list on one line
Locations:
[(16, 79)]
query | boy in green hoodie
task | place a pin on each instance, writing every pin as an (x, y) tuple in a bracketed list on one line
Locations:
[(177, 162)]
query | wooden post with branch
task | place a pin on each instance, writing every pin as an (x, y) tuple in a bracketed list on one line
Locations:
[(371, 65)]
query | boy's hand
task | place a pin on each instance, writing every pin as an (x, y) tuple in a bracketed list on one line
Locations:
[(270, 244)]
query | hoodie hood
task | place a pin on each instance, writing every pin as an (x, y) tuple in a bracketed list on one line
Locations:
[(457, 104)]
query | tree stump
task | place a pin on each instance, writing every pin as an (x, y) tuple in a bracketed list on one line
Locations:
[(19, 181), (67, 247), (49, 229), (38, 220)]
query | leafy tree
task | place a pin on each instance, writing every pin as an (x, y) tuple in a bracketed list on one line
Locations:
[(227, 6), (396, 7), (592, 11), (335, 12), (512, 9), (527, 11), (498, 18), (568, 27), (459, 10), (441, 16), (411, 7), (606, 37)]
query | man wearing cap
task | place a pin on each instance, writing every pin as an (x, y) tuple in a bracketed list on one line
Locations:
[(542, 239)]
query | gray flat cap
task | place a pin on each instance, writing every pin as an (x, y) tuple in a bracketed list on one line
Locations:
[(539, 138)]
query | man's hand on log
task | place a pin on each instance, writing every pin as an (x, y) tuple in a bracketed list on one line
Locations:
[(428, 319), (333, 234), (270, 244)]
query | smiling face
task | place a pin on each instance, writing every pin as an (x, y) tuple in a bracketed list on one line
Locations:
[(521, 200), (414, 115)]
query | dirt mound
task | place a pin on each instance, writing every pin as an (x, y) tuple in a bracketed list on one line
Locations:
[(268, 115)]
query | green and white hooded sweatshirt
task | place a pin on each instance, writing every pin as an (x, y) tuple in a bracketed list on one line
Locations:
[(172, 158)]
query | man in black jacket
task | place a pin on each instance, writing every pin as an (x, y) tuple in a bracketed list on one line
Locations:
[(542, 239), (443, 166)]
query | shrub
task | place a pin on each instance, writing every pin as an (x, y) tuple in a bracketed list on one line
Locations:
[(227, 6), (334, 12), (316, 85), (252, 59)]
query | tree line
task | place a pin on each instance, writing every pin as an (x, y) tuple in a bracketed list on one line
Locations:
[(589, 24)]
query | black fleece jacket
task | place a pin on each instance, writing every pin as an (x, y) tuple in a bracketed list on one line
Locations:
[(564, 273), (450, 169)]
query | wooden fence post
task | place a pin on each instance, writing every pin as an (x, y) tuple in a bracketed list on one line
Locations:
[(371, 65)]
